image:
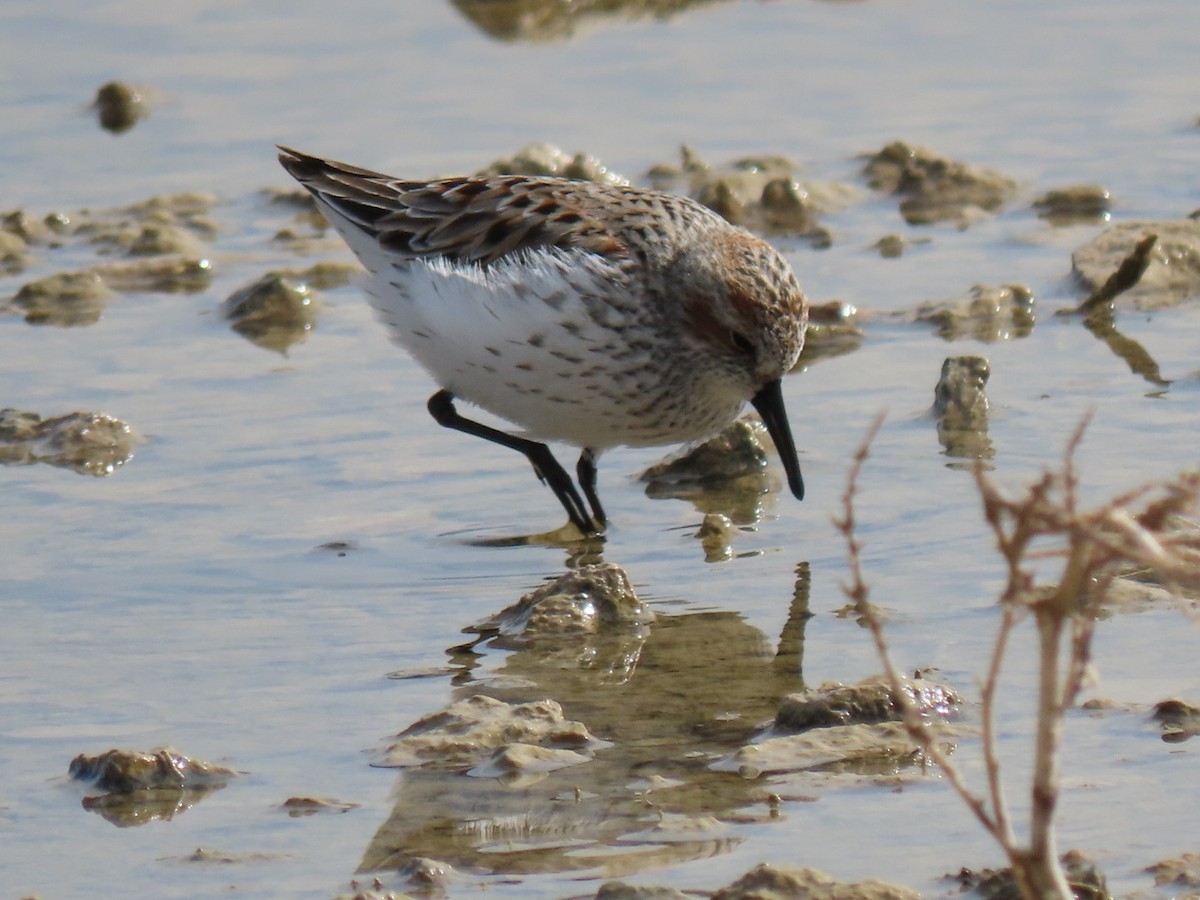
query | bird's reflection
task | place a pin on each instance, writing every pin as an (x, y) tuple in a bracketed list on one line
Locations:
[(668, 696)]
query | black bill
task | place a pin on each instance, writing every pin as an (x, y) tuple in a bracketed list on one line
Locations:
[(769, 404)]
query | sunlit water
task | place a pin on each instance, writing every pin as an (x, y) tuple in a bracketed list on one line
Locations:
[(184, 600)]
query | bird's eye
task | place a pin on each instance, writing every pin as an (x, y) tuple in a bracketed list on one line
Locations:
[(741, 343)]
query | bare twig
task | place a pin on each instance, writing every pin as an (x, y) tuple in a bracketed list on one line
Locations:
[(1092, 545), (857, 591), (1003, 832)]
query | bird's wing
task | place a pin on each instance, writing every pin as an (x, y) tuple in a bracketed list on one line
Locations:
[(470, 219)]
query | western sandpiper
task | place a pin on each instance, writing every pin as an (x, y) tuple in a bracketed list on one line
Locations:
[(591, 314)]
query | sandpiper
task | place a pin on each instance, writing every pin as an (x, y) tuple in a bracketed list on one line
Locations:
[(591, 314)]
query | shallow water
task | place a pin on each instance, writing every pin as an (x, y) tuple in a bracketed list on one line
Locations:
[(185, 600)]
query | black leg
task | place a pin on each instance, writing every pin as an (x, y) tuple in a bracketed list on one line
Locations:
[(586, 470), (441, 407)]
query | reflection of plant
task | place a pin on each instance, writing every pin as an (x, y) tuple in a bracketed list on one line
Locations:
[(1140, 528), (1099, 316)]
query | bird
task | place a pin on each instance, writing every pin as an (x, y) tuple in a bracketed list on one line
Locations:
[(595, 315)]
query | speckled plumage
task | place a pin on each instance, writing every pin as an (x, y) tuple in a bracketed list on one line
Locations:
[(591, 314)]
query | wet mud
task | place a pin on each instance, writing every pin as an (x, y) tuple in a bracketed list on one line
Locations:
[(960, 407), (547, 159), (933, 188), (538, 20), (762, 193), (1086, 881), (139, 787), (156, 246), (1075, 205), (726, 475), (87, 443), (1181, 873), (985, 314), (1172, 275), (119, 106), (274, 312), (1178, 720)]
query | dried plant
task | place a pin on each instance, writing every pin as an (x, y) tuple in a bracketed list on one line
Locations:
[(1044, 524)]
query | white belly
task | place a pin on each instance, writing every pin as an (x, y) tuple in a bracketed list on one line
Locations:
[(555, 342)]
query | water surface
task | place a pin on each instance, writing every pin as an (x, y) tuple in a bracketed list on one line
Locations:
[(184, 600)]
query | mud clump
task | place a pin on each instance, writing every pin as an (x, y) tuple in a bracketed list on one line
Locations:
[(872, 750), (170, 224), (426, 876), (840, 728), (833, 330), (716, 537), (736, 452), (209, 857), (787, 208), (762, 193), (157, 275), (297, 198), (767, 882), (14, 256), (619, 890), (1181, 872), (537, 21), (119, 106), (189, 208), (960, 407), (1073, 205), (467, 732), (1178, 720), (867, 702), (546, 159), (725, 475), (1086, 881), (124, 771), (297, 807), (586, 619), (518, 764), (31, 230), (87, 443), (891, 246), (308, 226), (161, 240), (142, 786), (935, 189), (582, 601), (67, 299), (986, 314), (272, 312), (425, 871), (70, 299)]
